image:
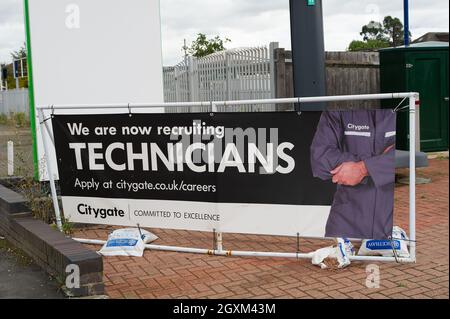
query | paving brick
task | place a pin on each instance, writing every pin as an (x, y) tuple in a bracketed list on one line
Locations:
[(162, 275)]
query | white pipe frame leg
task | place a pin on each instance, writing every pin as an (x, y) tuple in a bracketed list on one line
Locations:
[(51, 176), (218, 250), (413, 102)]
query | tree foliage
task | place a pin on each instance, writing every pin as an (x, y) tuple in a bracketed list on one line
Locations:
[(15, 55), (203, 46), (19, 54), (373, 31), (369, 45), (378, 35), (394, 30)]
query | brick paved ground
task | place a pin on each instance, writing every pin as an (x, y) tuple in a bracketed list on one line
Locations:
[(175, 275)]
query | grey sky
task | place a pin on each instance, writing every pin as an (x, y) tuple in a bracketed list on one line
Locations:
[(252, 22)]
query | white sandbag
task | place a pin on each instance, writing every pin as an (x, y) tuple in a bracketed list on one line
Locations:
[(383, 248), (320, 255), (340, 253), (128, 242), (344, 251)]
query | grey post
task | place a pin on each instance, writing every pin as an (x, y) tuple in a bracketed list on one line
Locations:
[(308, 51)]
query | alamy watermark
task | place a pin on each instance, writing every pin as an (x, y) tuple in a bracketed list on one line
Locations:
[(373, 278), (73, 276)]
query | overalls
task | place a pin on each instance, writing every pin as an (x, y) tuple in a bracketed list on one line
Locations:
[(364, 211)]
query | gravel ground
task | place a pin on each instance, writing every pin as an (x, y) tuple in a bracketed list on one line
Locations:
[(20, 278)]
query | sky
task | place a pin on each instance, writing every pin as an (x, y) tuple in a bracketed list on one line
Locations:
[(252, 22)]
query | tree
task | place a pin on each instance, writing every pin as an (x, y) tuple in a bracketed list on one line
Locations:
[(203, 46), (377, 35), (373, 31), (19, 54), (394, 30)]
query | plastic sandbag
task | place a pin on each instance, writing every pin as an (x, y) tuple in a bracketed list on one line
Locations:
[(319, 257), (384, 247), (334, 257), (344, 251), (128, 242)]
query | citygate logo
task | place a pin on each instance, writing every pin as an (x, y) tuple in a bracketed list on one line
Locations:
[(358, 127), (102, 213)]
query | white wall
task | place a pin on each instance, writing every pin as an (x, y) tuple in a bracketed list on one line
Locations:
[(95, 52)]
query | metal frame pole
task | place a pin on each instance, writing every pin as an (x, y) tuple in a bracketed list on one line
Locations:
[(219, 241), (49, 170), (412, 174), (363, 97), (251, 254)]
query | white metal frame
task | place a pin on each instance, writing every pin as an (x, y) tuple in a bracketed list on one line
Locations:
[(219, 251)]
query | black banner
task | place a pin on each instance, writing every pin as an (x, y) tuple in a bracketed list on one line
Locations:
[(298, 187), (268, 173)]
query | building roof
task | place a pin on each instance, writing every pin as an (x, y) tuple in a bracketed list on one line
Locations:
[(431, 45), (433, 36)]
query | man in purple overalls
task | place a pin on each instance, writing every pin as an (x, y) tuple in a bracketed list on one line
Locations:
[(356, 150)]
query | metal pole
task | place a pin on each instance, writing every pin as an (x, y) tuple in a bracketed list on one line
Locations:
[(16, 72), (384, 96), (406, 22), (308, 51), (21, 68), (51, 178), (252, 254), (412, 175), (1, 78), (219, 242), (50, 135)]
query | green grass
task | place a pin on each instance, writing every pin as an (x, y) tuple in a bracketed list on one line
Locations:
[(19, 119)]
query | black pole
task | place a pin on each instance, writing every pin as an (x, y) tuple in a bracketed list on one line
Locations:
[(308, 51), (406, 22)]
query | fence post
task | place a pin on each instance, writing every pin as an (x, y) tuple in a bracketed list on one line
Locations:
[(2, 104), (281, 78), (190, 78), (228, 75), (10, 158), (273, 84), (179, 83)]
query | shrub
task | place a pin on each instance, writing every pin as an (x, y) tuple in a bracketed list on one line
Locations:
[(3, 119), (19, 119)]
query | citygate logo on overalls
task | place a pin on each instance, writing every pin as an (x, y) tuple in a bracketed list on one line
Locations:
[(102, 213), (358, 127)]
